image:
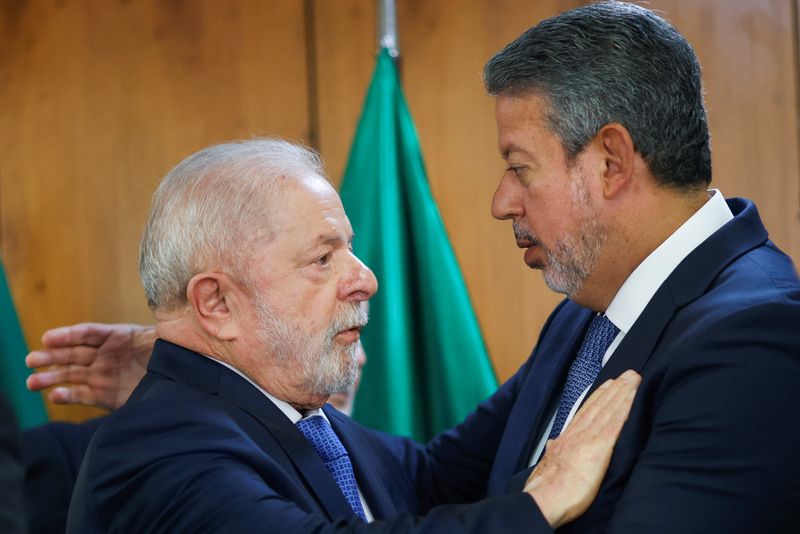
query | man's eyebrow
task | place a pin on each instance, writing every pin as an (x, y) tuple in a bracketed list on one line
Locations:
[(506, 151), (332, 239)]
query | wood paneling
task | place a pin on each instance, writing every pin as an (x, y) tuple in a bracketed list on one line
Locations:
[(99, 99), (346, 45)]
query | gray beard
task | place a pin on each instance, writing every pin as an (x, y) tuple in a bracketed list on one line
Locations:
[(317, 364), (572, 259)]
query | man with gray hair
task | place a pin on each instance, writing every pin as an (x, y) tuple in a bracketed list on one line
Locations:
[(603, 130), (247, 264)]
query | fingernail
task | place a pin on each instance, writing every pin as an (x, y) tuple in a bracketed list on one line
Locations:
[(629, 375)]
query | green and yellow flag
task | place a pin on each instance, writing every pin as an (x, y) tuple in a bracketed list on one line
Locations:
[(428, 365), (28, 406)]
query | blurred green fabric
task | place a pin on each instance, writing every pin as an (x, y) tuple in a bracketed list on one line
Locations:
[(427, 363), (28, 406)]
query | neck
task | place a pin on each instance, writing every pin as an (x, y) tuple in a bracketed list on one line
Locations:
[(641, 225), (268, 372)]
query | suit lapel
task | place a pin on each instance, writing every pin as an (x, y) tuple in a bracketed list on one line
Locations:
[(638, 344), (687, 282), (551, 360), (309, 465), (363, 459), (188, 367)]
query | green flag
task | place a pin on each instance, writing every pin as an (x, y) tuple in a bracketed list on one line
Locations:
[(28, 406), (427, 363)]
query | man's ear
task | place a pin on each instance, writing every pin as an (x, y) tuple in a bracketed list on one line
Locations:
[(214, 299), (616, 146)]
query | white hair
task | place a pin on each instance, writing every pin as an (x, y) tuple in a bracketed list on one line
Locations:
[(214, 203)]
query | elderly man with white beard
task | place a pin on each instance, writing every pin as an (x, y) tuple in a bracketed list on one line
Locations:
[(247, 264)]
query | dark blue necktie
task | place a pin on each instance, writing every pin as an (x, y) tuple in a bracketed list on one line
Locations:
[(585, 368), (322, 437)]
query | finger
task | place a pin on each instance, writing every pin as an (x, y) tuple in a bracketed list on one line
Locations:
[(77, 355), (619, 403), (596, 402), (596, 410), (92, 334), (72, 374), (598, 396), (37, 358), (601, 397), (612, 428), (79, 394), (80, 355), (45, 379)]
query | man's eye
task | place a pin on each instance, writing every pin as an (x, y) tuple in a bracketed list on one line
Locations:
[(324, 260)]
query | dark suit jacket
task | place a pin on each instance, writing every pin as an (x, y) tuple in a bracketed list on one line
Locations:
[(52, 455), (712, 443), (12, 508), (199, 449)]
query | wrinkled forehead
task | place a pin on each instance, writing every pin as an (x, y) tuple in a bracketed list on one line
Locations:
[(308, 206)]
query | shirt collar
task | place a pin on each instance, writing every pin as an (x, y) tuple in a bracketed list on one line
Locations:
[(644, 281), (287, 409)]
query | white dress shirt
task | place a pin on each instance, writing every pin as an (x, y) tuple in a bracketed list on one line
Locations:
[(637, 290), (294, 416)]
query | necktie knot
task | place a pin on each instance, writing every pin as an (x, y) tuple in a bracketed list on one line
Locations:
[(322, 438)]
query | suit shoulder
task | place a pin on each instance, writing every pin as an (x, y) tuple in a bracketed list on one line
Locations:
[(774, 268), (177, 420), (763, 277)]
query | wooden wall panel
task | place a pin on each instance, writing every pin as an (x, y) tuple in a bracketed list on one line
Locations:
[(345, 39), (99, 99)]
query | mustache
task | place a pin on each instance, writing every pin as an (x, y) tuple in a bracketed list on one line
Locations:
[(522, 233), (351, 316)]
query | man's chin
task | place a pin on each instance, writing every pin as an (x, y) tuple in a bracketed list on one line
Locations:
[(560, 284)]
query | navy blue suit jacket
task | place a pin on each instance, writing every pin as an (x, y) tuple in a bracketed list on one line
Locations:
[(12, 509), (713, 439), (199, 449), (52, 455)]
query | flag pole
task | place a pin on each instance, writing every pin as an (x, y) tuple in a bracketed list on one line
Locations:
[(387, 27)]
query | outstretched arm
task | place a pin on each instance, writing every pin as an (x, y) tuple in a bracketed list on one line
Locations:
[(91, 363)]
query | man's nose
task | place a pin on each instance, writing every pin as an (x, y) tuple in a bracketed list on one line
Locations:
[(359, 283), (505, 204)]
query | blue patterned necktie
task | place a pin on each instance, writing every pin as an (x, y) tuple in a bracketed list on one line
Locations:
[(322, 437), (585, 368)]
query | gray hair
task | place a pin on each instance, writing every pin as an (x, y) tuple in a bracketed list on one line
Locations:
[(214, 203), (614, 62)]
